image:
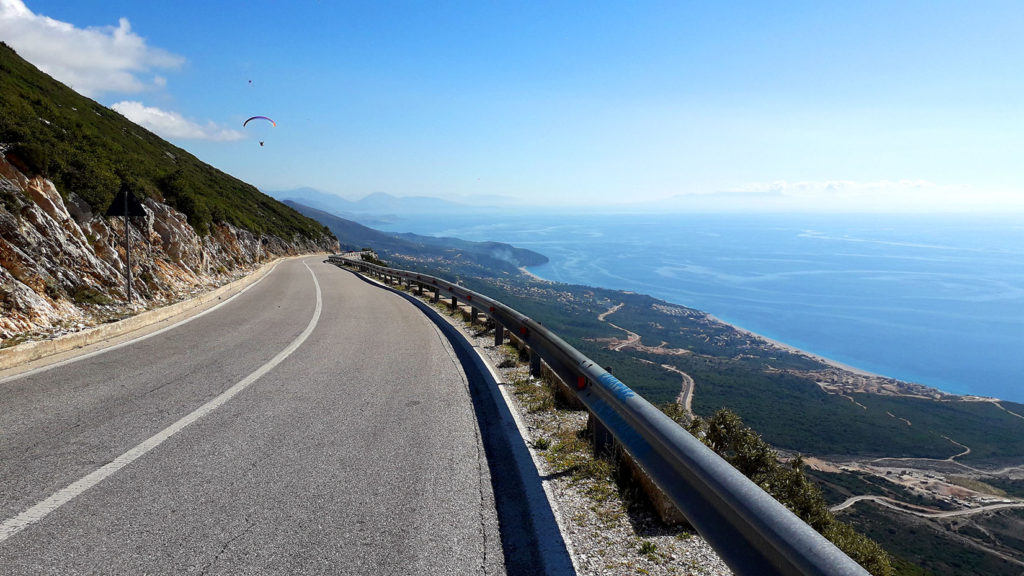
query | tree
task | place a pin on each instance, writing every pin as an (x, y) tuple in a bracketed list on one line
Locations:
[(741, 446)]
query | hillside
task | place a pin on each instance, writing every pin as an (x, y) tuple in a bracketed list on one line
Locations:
[(63, 264), (49, 130), (455, 256)]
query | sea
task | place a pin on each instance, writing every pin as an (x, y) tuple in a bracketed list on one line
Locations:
[(937, 300)]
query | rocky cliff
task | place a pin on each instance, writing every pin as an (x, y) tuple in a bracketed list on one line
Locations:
[(62, 266)]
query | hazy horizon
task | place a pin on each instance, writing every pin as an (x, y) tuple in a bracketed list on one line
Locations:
[(675, 205)]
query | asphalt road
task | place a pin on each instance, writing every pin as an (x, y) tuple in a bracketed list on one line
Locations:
[(315, 424)]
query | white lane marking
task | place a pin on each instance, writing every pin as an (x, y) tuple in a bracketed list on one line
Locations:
[(39, 511), (134, 340)]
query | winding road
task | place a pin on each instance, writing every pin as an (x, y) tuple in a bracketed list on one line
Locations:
[(923, 512), (313, 424)]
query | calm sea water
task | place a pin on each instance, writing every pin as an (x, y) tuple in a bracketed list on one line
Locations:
[(935, 300)]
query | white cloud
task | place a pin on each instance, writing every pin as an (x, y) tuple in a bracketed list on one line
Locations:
[(174, 125), (90, 60)]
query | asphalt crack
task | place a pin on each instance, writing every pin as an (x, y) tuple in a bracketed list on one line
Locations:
[(248, 528)]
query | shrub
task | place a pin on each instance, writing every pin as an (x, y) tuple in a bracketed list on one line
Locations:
[(739, 445), (89, 295)]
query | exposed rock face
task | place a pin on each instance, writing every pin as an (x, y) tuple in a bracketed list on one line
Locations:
[(62, 265)]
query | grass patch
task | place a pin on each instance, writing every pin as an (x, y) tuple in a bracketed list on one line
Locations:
[(534, 395), (976, 485), (92, 296), (542, 443), (647, 547)]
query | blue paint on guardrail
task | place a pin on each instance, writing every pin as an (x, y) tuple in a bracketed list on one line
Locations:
[(620, 390)]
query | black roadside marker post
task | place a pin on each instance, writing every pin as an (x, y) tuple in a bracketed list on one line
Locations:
[(126, 204)]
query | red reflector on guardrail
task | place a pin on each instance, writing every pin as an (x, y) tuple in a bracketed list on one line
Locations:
[(492, 308), (581, 382), (469, 296), (522, 330)]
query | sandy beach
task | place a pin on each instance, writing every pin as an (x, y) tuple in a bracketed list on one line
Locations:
[(795, 350)]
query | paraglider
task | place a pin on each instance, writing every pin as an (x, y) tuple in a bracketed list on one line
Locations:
[(272, 123), (259, 118)]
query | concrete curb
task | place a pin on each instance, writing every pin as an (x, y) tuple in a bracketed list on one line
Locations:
[(30, 351)]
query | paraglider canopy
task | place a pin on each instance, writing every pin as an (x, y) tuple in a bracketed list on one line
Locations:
[(259, 118)]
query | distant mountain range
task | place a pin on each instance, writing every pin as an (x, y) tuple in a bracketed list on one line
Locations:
[(484, 256), (381, 208)]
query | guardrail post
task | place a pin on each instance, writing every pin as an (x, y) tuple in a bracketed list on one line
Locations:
[(455, 304), (534, 363), (437, 295), (474, 314), (600, 438), (419, 289), (499, 333)]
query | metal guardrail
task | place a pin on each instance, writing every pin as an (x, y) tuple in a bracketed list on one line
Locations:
[(751, 531)]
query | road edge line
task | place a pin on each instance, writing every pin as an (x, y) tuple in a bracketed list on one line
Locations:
[(40, 510)]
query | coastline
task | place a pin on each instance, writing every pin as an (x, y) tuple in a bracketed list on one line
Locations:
[(917, 388), (533, 276), (794, 350), (965, 346)]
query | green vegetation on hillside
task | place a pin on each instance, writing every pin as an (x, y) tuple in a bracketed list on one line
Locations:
[(740, 446), (86, 148), (1013, 488), (990, 433), (448, 257), (943, 552)]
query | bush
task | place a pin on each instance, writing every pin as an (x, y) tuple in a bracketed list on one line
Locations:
[(739, 445), (89, 295), (371, 257)]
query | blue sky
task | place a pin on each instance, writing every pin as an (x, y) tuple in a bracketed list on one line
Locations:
[(796, 106)]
